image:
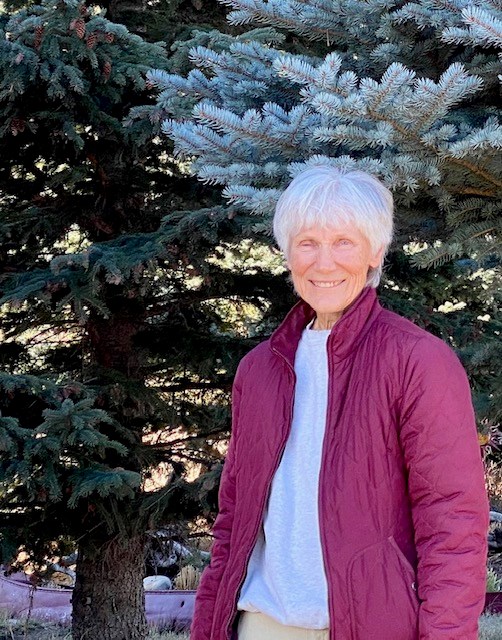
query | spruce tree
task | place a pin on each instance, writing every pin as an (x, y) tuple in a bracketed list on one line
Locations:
[(407, 91), (117, 347)]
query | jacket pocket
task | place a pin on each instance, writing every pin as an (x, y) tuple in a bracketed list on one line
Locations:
[(383, 599)]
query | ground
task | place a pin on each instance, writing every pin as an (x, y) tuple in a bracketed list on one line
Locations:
[(18, 630), (490, 629)]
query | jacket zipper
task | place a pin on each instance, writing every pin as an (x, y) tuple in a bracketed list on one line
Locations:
[(322, 532), (265, 499)]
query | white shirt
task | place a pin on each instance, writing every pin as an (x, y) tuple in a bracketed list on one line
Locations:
[(285, 577)]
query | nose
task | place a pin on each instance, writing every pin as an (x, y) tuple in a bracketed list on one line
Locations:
[(325, 261)]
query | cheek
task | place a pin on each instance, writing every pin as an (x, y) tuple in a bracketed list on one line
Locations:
[(297, 280), (354, 265), (297, 265)]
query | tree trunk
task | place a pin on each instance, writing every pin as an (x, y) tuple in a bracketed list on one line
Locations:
[(108, 599)]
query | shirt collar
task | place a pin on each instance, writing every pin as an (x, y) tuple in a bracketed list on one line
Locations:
[(345, 334)]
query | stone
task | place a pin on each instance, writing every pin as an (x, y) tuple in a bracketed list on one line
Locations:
[(157, 583)]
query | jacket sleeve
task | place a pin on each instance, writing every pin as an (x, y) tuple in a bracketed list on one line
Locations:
[(211, 578), (447, 492)]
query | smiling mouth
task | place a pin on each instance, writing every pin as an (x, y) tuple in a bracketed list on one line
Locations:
[(326, 285)]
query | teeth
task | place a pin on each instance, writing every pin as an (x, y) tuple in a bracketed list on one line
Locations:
[(325, 285)]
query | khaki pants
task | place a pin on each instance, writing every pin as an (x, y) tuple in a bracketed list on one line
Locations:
[(258, 626)]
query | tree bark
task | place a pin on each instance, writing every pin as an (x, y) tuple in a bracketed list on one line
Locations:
[(108, 599)]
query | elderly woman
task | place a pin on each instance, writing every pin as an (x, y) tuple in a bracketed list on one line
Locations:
[(352, 501)]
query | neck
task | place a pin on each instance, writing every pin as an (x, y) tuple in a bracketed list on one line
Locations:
[(326, 321)]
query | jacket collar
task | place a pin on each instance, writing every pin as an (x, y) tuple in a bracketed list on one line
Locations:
[(345, 335)]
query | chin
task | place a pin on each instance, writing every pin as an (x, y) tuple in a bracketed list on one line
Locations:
[(332, 305), (328, 310)]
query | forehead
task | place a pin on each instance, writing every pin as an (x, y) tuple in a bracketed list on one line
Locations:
[(329, 231)]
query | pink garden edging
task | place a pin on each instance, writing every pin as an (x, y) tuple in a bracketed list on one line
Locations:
[(163, 608), (19, 597)]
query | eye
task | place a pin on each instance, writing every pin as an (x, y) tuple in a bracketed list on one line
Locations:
[(345, 242), (306, 243)]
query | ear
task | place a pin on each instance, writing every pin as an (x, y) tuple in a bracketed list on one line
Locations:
[(376, 259)]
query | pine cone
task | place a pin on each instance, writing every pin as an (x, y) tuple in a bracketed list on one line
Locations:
[(107, 69), (39, 32), (92, 38), (79, 26)]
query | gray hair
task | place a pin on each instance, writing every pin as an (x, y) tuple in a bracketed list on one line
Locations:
[(325, 196)]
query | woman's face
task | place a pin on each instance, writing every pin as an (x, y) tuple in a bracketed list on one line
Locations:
[(329, 267)]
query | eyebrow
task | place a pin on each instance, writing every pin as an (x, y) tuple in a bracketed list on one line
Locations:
[(304, 235)]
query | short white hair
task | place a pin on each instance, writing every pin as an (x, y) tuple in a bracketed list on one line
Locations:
[(327, 197)]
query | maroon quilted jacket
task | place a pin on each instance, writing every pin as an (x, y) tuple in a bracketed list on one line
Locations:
[(402, 503)]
